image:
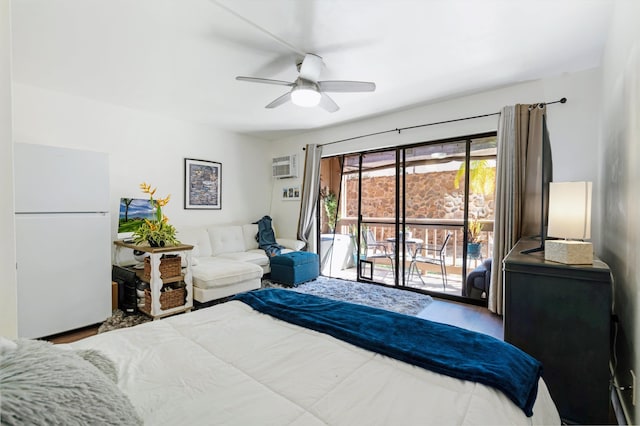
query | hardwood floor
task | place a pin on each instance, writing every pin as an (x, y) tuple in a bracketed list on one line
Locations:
[(73, 335), (471, 317)]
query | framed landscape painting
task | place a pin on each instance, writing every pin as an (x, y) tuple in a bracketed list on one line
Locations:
[(202, 184)]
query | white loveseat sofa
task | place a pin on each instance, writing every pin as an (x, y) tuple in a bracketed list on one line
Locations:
[(226, 259)]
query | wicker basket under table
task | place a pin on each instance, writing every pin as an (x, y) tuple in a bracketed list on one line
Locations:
[(178, 298), (168, 299), (169, 267)]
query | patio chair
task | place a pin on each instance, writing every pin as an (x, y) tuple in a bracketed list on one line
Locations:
[(432, 254), (377, 249)]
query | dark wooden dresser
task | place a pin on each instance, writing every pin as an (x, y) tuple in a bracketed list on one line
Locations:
[(560, 314)]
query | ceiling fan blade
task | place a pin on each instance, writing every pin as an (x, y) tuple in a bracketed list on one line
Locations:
[(327, 103), (340, 86), (265, 81), (311, 67), (279, 101)]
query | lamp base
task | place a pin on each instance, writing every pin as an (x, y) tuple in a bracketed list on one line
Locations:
[(568, 252)]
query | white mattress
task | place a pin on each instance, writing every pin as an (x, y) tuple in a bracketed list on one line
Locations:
[(229, 364)]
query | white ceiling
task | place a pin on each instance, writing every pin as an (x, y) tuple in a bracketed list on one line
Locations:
[(180, 57)]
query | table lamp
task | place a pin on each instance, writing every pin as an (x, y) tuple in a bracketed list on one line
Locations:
[(569, 219)]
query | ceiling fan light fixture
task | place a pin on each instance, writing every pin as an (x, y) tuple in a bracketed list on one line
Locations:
[(307, 91), (305, 96)]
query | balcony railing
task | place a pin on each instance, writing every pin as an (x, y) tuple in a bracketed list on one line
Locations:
[(430, 231)]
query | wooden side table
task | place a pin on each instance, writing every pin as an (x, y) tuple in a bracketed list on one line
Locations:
[(156, 282)]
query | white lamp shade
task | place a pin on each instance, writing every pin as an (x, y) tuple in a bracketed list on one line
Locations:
[(570, 210)]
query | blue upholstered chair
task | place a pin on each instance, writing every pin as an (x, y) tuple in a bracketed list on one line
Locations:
[(477, 285)]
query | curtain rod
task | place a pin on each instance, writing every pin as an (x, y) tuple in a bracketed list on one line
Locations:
[(561, 101)]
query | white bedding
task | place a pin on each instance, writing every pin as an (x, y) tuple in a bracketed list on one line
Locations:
[(229, 364)]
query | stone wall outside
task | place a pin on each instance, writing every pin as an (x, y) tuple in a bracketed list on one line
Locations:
[(429, 195)]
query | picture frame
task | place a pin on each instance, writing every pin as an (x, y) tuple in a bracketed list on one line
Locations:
[(202, 184), (291, 193)]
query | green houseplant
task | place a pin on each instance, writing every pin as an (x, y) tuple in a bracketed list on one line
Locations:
[(482, 180), (157, 232), (330, 202), (474, 241), (482, 177)]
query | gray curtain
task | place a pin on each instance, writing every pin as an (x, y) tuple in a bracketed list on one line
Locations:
[(519, 209), (310, 191)]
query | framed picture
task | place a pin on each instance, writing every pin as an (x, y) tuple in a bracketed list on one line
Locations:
[(202, 184), (291, 193)]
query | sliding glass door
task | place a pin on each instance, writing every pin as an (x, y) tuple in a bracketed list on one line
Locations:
[(377, 210), (449, 212), (418, 217), (433, 215)]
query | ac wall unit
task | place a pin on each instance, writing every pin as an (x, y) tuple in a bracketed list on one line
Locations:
[(285, 167)]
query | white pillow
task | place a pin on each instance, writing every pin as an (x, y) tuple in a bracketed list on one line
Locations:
[(295, 245), (198, 238), (250, 232), (226, 239)]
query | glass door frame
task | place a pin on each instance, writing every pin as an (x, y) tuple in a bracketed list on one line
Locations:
[(400, 220)]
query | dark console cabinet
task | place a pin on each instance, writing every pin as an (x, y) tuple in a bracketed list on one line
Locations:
[(560, 314)]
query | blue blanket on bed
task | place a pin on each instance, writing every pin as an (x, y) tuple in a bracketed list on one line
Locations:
[(441, 348)]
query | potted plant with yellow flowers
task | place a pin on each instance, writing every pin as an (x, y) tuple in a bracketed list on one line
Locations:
[(157, 232), (474, 240)]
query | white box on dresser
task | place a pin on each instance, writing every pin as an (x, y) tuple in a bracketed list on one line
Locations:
[(568, 252)]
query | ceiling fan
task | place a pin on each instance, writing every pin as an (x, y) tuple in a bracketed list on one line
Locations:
[(307, 91)]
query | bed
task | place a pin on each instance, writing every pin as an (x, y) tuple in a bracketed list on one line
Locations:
[(235, 364)]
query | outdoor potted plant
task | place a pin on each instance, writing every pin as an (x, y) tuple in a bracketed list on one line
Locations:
[(157, 232), (482, 181), (474, 241)]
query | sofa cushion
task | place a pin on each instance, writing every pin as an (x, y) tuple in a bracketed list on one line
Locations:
[(211, 272), (198, 238), (226, 239), (256, 256), (250, 233)]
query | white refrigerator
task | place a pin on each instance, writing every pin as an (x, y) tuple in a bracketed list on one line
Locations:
[(63, 245)]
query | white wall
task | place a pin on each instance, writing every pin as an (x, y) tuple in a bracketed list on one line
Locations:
[(619, 153), (8, 289), (141, 147), (573, 129), (150, 148)]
